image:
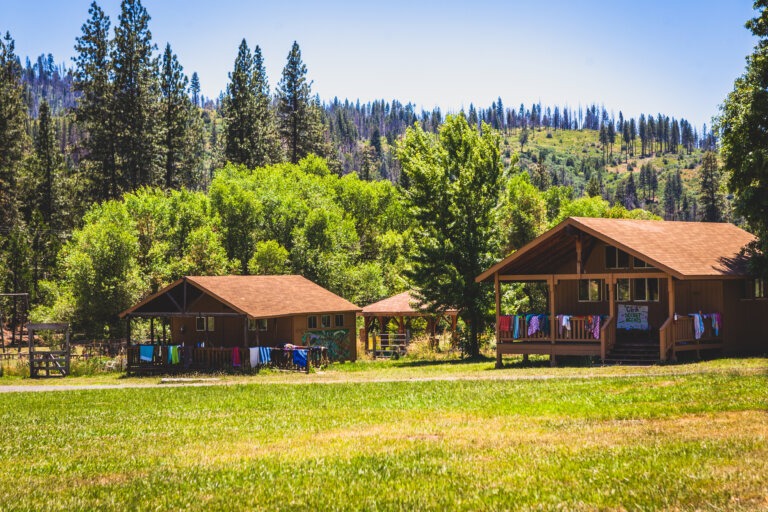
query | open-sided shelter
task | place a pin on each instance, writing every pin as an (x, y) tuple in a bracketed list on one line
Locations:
[(625, 289), (214, 314), (399, 308)]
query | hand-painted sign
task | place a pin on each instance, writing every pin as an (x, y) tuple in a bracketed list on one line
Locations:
[(632, 317)]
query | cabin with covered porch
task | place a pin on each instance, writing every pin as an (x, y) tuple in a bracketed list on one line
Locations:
[(203, 323), (634, 291)]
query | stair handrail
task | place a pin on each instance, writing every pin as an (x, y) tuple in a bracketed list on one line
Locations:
[(666, 338)]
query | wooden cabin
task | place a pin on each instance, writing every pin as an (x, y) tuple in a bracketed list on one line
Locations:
[(214, 314), (375, 335), (630, 290)]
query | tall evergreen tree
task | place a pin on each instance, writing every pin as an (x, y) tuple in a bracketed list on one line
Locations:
[(136, 97), (48, 161), (299, 118), (194, 89), (95, 108), (251, 137), (180, 160), (710, 195), (454, 190), (13, 138)]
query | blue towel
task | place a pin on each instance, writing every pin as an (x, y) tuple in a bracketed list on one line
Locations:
[(266, 355), (300, 357), (146, 352)]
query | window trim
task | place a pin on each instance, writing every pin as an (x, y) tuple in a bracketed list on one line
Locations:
[(645, 280), (643, 264), (198, 320), (325, 321), (210, 323), (336, 321), (312, 319), (629, 290), (758, 288), (616, 258), (589, 288)]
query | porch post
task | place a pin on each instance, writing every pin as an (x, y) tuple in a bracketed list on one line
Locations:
[(152, 330), (245, 331), (552, 320), (497, 290), (611, 311), (671, 309)]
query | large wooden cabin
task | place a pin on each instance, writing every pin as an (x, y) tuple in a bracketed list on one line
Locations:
[(634, 290), (210, 316)]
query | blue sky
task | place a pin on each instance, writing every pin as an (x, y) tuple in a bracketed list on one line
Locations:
[(678, 57)]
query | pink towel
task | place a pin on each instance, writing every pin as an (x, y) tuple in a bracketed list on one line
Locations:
[(236, 357)]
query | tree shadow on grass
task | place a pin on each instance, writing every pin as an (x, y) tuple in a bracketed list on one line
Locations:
[(420, 363)]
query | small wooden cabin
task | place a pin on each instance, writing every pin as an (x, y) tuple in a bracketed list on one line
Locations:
[(218, 313), (625, 289)]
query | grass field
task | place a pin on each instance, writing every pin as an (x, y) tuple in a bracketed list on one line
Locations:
[(677, 437)]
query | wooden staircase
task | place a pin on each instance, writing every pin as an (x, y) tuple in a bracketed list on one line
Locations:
[(635, 348)]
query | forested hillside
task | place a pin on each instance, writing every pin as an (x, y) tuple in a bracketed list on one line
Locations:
[(117, 176)]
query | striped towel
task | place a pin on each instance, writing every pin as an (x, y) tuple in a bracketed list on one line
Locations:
[(265, 355)]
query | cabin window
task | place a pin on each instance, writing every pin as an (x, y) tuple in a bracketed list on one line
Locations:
[(759, 288), (325, 321), (259, 324), (646, 290), (312, 322), (622, 290), (204, 323), (589, 290), (638, 263), (616, 258), (339, 321)]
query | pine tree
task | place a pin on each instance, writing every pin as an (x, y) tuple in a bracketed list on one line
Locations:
[(710, 195), (48, 162), (251, 138), (179, 129), (13, 138), (94, 111), (194, 89), (136, 96), (299, 118)]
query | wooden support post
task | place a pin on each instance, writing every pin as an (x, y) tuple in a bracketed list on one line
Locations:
[(152, 330), (611, 310), (165, 338), (671, 313), (245, 332), (552, 319), (578, 254), (497, 290)]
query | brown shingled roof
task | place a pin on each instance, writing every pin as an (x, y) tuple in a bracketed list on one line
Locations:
[(265, 296), (401, 304), (687, 250)]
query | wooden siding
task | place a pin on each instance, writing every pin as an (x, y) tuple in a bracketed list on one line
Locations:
[(745, 321), (694, 296)]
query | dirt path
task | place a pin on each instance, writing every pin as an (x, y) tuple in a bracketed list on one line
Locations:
[(320, 378)]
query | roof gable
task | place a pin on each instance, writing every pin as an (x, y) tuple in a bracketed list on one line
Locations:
[(261, 296), (686, 250)]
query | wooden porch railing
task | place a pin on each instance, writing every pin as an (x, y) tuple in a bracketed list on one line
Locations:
[(540, 335), (579, 330), (680, 330), (217, 358), (578, 333)]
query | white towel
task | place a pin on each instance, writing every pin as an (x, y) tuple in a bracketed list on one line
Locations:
[(254, 356)]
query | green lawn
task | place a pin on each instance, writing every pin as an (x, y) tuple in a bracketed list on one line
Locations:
[(697, 439)]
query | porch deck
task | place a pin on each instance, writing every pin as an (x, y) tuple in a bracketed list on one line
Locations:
[(578, 340)]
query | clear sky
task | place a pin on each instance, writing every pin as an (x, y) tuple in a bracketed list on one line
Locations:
[(678, 57)]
